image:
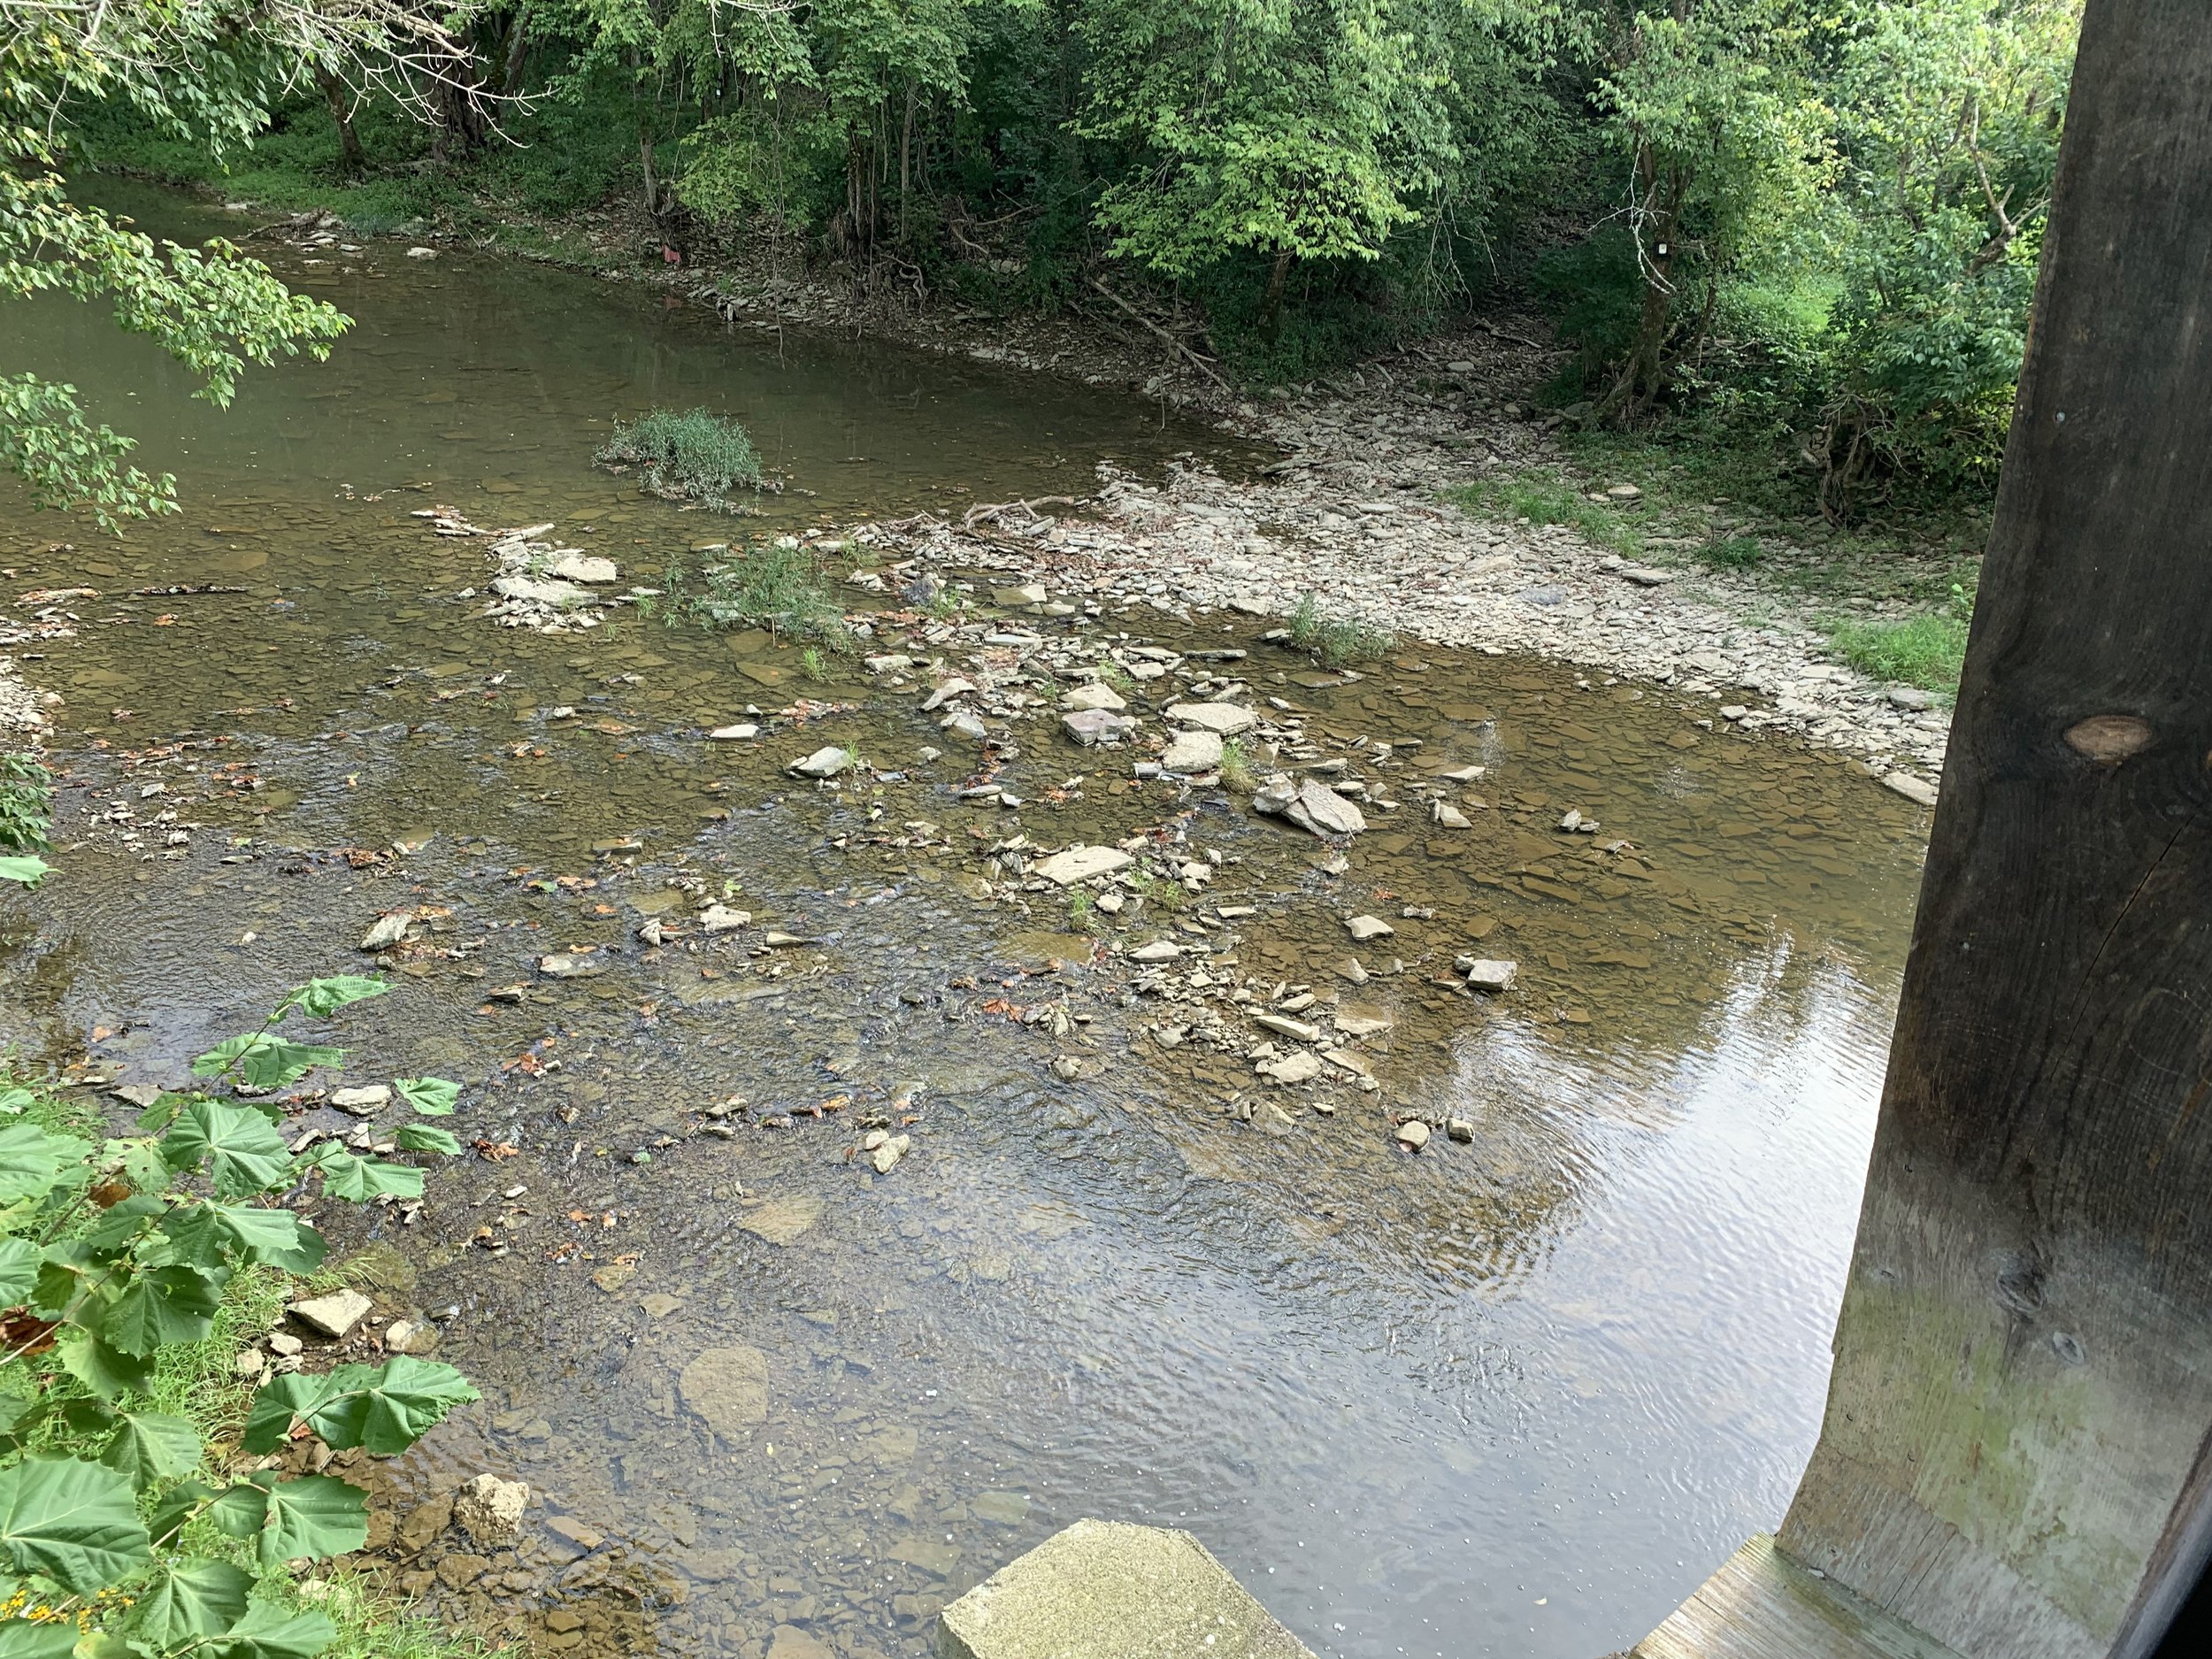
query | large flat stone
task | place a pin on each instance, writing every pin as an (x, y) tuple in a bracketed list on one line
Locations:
[(1080, 864), (1223, 720), (1106, 1590)]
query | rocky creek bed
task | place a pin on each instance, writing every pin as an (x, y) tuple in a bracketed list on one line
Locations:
[(916, 1108)]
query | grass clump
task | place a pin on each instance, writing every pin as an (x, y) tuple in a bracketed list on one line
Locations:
[(1928, 650), (1547, 498), (1082, 912), (696, 456), (1236, 768), (1336, 641), (1731, 553), (776, 587)]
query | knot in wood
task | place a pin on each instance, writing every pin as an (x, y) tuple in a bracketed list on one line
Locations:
[(2109, 739)]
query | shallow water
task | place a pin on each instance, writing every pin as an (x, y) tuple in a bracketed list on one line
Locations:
[(1512, 1397)]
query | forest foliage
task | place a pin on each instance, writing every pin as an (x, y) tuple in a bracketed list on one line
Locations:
[(1817, 220)]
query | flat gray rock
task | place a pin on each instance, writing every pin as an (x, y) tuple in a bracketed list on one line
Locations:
[(334, 1315), (1080, 864), (1108, 1590), (1223, 720)]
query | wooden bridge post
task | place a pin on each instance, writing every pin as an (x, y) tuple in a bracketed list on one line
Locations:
[(2016, 1458)]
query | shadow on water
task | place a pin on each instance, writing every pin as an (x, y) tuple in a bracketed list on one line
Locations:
[(1512, 1396)]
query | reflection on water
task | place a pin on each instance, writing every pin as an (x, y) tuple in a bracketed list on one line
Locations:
[(1514, 1396)]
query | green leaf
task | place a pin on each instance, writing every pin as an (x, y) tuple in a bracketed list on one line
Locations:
[(262, 1061), (321, 997), (99, 1644), (163, 1305), (75, 1521), (241, 1511), (427, 1138), (29, 869), (100, 1365), (176, 1507), (244, 1153), (348, 1176), (65, 1267), (283, 1401), (140, 1160), (432, 1096), (387, 1409), (205, 1234), (270, 1633), (313, 1515), (19, 1271), (188, 1598), (20, 1639), (31, 1162), (149, 1447)]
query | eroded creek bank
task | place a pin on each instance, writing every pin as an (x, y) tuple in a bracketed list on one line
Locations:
[(1510, 1394)]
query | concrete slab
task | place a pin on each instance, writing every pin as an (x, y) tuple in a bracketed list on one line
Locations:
[(1108, 1590), (1763, 1605)]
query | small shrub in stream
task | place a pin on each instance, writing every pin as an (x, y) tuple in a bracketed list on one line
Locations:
[(696, 456)]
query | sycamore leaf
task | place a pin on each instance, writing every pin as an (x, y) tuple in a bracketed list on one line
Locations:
[(163, 1305), (21, 1639), (75, 1521), (244, 1153), (99, 1365), (427, 1138), (204, 1235), (19, 1271), (31, 1162), (432, 1096), (283, 1401), (313, 1515), (386, 1408), (241, 1511), (149, 1448), (27, 868), (321, 997), (348, 1176), (262, 1061), (270, 1633), (175, 1508), (191, 1598)]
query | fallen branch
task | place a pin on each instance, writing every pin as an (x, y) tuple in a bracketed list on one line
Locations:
[(982, 511), (1196, 362)]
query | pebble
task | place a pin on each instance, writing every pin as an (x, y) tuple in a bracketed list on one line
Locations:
[(364, 1101), (1413, 1133), (389, 930), (489, 1509)]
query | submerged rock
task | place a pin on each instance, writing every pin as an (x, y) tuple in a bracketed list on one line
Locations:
[(728, 1387)]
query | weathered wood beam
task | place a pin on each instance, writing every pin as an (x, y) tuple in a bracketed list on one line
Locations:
[(2014, 1458)]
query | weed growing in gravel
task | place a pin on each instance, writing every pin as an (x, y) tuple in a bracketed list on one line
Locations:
[(1236, 768), (696, 456), (1544, 498), (1082, 912), (1336, 641), (773, 586), (1731, 553)]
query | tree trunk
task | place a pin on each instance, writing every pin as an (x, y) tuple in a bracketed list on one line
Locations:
[(1271, 309), (351, 161), (1644, 373), (517, 43)]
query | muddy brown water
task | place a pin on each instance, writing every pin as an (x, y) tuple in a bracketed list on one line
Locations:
[(1514, 1397)]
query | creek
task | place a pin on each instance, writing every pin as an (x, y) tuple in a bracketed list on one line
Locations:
[(1515, 1395)]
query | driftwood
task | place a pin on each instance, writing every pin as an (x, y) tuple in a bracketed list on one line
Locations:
[(983, 511), (1196, 362)]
